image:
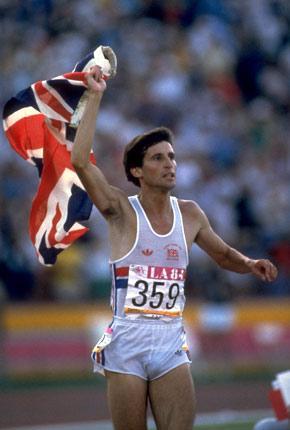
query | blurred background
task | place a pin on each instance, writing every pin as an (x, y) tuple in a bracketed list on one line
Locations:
[(217, 72)]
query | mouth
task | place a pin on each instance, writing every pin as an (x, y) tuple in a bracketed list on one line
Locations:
[(170, 175)]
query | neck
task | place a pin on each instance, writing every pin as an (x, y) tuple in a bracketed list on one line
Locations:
[(155, 201)]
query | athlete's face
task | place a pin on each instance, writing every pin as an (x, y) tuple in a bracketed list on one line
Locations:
[(159, 166)]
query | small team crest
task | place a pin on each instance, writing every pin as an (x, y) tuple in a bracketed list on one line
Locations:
[(140, 270), (172, 251)]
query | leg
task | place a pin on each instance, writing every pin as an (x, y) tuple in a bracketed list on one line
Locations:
[(127, 396), (172, 399)]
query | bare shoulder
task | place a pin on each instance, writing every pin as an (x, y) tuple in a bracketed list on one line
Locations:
[(190, 210), (194, 219)]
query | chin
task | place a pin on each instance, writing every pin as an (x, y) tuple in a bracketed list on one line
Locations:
[(168, 187)]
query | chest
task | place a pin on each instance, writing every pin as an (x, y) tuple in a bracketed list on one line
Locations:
[(161, 225)]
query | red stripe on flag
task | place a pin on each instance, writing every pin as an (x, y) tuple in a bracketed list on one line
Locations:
[(56, 218), (19, 134), (47, 98), (56, 159), (76, 76), (70, 236)]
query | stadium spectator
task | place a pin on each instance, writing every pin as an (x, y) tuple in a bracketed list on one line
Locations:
[(220, 71)]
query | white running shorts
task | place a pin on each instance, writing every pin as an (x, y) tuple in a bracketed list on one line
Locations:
[(146, 348)]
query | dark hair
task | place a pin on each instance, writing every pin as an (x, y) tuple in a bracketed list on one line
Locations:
[(136, 149)]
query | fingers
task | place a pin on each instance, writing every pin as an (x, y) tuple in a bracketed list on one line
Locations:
[(265, 270), (95, 72), (95, 79), (273, 272), (270, 271)]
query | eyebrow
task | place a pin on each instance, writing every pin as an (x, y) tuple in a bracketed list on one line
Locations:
[(162, 153)]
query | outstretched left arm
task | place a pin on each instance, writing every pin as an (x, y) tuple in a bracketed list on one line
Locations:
[(229, 258)]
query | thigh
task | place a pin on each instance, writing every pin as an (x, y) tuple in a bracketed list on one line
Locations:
[(127, 396), (172, 399)]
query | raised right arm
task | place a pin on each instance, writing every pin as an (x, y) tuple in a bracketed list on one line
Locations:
[(106, 198)]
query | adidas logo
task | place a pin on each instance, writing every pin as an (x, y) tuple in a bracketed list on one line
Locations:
[(147, 252)]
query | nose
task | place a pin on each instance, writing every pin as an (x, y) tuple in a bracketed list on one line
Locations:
[(170, 162)]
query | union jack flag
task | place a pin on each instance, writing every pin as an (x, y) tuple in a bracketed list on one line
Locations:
[(40, 124)]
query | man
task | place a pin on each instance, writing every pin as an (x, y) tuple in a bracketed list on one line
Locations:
[(144, 353)]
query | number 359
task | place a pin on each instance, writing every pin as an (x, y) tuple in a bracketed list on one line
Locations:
[(156, 298)]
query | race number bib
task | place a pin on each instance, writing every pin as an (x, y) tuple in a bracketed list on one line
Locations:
[(155, 290)]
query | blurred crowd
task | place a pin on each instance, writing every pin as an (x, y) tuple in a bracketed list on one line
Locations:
[(217, 72)]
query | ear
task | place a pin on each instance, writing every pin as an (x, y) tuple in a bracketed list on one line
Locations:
[(136, 172)]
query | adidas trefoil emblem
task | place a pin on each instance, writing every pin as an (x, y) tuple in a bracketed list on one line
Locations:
[(147, 252)]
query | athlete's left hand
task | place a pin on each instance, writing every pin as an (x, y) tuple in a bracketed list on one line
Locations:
[(264, 269)]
